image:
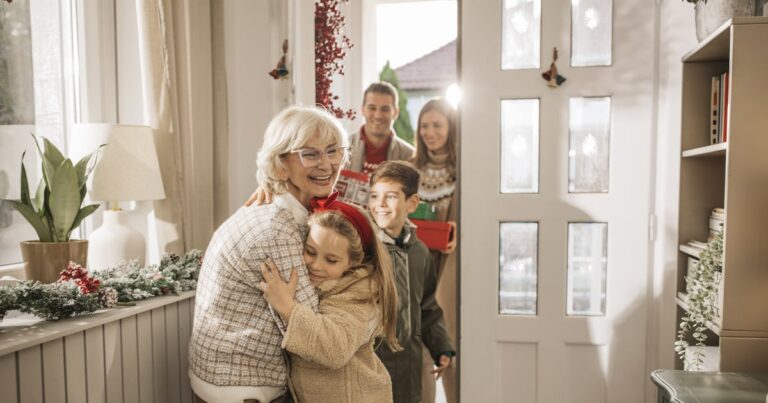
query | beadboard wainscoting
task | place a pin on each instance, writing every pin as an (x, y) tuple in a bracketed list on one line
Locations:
[(126, 354)]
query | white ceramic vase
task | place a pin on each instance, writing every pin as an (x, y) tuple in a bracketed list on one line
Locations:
[(115, 242)]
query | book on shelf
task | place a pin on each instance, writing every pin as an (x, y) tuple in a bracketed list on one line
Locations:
[(718, 212), (716, 223), (724, 133), (718, 111)]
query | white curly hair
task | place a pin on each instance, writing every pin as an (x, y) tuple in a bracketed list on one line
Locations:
[(292, 129)]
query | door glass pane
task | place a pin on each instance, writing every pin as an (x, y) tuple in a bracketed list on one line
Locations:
[(587, 268), (589, 152), (520, 34), (518, 268), (592, 25), (520, 146)]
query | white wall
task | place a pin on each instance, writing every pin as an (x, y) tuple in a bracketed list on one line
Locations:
[(248, 59), (253, 37)]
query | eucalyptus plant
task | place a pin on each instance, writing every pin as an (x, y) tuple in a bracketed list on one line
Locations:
[(55, 211), (701, 285)]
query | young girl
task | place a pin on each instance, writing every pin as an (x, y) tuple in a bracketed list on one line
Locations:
[(332, 352)]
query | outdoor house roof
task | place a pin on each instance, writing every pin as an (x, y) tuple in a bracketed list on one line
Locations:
[(434, 71)]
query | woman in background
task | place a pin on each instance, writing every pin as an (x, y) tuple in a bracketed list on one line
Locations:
[(436, 159)]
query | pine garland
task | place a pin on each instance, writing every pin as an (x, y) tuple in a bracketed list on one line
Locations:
[(79, 292)]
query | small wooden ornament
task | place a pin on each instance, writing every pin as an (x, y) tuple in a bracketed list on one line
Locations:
[(281, 70), (551, 76)]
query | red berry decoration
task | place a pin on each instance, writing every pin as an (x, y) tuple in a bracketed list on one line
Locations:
[(330, 48), (78, 275)]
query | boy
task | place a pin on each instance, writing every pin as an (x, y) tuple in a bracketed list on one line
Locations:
[(394, 195)]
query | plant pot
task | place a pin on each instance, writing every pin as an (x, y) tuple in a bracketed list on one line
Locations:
[(43, 261), (713, 13)]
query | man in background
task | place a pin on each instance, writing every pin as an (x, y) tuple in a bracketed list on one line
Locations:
[(376, 141)]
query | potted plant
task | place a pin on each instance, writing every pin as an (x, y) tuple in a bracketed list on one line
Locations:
[(702, 287), (712, 14), (54, 212)]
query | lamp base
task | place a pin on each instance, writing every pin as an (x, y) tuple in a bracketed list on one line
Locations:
[(115, 242)]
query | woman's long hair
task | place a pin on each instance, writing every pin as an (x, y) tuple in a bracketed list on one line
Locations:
[(383, 292), (442, 107)]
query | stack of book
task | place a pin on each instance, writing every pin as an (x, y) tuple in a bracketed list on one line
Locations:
[(719, 109), (716, 223)]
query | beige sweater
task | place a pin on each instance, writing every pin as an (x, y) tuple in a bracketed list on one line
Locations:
[(332, 357)]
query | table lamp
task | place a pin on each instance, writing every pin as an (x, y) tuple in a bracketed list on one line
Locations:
[(127, 170)]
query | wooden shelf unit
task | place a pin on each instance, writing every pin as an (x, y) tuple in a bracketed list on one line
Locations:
[(732, 175)]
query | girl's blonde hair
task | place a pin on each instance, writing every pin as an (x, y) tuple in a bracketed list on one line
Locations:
[(383, 292), (441, 106), (289, 130)]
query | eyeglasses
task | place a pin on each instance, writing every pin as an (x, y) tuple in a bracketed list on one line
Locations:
[(312, 157)]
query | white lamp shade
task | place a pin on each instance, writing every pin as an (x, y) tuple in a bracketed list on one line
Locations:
[(127, 168)]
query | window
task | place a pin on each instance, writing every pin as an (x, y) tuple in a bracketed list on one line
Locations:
[(518, 268), (32, 100)]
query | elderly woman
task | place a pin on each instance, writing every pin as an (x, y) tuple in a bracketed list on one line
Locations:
[(235, 352)]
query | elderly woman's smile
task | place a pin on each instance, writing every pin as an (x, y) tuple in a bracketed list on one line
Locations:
[(312, 170)]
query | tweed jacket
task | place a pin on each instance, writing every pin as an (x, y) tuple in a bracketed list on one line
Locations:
[(418, 312), (332, 358), (399, 150), (235, 337)]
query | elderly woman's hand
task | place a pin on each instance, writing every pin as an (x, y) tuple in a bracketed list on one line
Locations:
[(277, 292), (259, 197)]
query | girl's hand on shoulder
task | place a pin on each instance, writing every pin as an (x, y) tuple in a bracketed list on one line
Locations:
[(259, 197), (277, 292)]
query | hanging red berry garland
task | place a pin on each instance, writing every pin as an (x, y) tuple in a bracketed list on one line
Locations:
[(330, 48)]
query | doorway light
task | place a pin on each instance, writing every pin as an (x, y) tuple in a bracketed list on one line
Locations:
[(453, 95)]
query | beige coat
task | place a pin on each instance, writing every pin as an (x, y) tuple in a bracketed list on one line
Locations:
[(332, 357)]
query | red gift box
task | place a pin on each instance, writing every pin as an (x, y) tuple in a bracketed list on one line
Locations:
[(434, 234)]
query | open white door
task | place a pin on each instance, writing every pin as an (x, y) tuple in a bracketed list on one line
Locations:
[(555, 196)]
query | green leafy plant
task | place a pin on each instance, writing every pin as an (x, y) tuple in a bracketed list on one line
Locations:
[(55, 211), (701, 285), (402, 124)]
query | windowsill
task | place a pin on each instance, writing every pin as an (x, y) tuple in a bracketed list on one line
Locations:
[(14, 270), (23, 330)]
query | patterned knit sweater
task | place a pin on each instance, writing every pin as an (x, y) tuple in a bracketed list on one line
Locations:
[(235, 336), (438, 184)]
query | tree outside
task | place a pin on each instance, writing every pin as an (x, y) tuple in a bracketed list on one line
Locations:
[(403, 123)]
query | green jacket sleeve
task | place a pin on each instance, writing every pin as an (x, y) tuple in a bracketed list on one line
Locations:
[(433, 331)]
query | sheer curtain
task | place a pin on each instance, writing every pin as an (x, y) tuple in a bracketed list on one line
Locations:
[(177, 70)]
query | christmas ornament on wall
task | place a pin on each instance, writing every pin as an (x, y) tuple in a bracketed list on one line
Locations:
[(551, 76), (281, 70)]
